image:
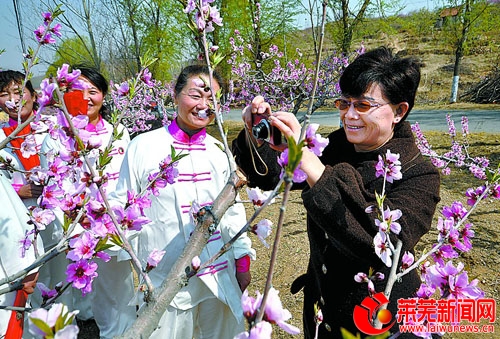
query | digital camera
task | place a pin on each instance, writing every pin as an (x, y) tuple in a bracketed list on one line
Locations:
[(263, 130)]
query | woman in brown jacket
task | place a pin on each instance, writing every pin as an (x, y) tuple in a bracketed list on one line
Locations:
[(378, 93)]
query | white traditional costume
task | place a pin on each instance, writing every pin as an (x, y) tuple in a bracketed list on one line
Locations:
[(108, 307), (13, 225), (202, 175)]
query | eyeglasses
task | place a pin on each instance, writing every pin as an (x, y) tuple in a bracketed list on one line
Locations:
[(361, 106)]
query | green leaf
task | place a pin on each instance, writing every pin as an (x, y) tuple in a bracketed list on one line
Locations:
[(115, 239), (79, 142), (216, 58), (176, 157), (42, 325), (67, 223), (294, 155), (147, 60), (380, 199), (57, 11)]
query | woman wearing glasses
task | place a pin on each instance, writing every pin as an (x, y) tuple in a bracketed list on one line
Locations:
[(378, 93)]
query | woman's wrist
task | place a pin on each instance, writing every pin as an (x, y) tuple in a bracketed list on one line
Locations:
[(243, 264)]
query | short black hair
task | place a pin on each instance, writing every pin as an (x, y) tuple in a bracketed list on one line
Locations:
[(99, 81), (195, 69), (95, 77), (9, 76), (397, 77)]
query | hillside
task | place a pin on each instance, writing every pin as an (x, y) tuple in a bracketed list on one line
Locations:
[(416, 35)]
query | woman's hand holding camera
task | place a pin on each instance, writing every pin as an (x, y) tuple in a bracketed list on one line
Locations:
[(281, 123), (289, 126)]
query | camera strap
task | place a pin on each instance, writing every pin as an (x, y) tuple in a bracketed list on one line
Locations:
[(253, 149)]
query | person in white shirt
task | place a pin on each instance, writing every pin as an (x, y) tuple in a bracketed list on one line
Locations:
[(209, 306), (13, 226), (110, 311)]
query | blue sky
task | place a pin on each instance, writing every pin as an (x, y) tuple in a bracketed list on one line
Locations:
[(12, 57)]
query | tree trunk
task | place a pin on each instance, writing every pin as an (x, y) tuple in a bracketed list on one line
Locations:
[(459, 52), (150, 316)]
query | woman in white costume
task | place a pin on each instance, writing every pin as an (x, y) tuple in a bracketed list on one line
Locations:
[(209, 306), (106, 305), (13, 225)]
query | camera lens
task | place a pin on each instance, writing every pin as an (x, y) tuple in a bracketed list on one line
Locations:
[(261, 130)]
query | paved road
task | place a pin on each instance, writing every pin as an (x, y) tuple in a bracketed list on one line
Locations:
[(479, 120)]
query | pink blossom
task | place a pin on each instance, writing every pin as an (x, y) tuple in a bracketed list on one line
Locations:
[(103, 256), (155, 257), (57, 167), (42, 217), (361, 277), (69, 202), (408, 260), (314, 141), (452, 282), (456, 211), (258, 197), (28, 146), (425, 291), (263, 230), (81, 274), (275, 313), (298, 174), (389, 221), (168, 170), (131, 218), (47, 18), (382, 249), (467, 233), (199, 82), (67, 80), (190, 6), (46, 292), (59, 314), (11, 104), (50, 196), (250, 305), (389, 166), (43, 37), (82, 247), (195, 263), (26, 242), (123, 89), (142, 201), (155, 183), (56, 29), (202, 113), (474, 194), (261, 330), (146, 77)]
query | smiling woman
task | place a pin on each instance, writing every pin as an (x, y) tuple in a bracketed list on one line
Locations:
[(93, 87), (19, 103), (341, 185), (209, 305)]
